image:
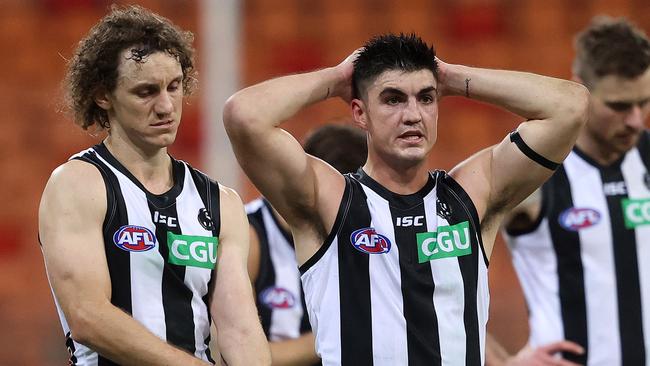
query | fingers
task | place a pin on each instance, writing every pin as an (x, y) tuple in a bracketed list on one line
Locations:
[(562, 346)]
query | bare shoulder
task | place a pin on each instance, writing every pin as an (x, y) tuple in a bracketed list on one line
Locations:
[(75, 186), (230, 199), (471, 175)]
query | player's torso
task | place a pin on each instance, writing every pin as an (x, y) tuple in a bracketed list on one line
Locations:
[(402, 279), (585, 269)]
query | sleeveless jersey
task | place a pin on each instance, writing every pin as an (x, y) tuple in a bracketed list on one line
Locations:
[(161, 251), (401, 279), (278, 292), (585, 265)]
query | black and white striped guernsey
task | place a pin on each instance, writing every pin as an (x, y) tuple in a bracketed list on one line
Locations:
[(279, 297), (401, 279), (585, 266), (161, 251)]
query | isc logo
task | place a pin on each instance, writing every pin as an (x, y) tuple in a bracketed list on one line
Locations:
[(575, 219), (410, 221), (367, 240), (277, 298), (134, 238)]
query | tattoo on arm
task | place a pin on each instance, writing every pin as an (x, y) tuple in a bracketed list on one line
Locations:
[(467, 87)]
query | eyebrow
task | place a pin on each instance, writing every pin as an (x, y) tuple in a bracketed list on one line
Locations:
[(146, 84), (390, 90)]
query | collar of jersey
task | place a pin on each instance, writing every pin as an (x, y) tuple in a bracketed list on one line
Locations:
[(158, 200), (401, 201)]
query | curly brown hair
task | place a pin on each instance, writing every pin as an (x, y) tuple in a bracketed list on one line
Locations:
[(94, 65), (610, 46)]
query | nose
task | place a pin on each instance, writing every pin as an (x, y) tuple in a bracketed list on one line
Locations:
[(164, 105), (412, 112), (635, 118)]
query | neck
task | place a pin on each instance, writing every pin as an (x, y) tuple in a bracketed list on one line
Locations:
[(152, 168), (599, 152), (398, 179)]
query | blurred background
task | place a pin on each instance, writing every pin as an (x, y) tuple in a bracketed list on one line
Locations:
[(240, 43)]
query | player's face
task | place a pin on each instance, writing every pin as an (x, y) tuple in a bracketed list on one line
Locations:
[(618, 112), (401, 115), (147, 102)]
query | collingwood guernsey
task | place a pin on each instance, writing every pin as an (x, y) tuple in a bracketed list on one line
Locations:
[(279, 299), (161, 251), (585, 265), (401, 279)]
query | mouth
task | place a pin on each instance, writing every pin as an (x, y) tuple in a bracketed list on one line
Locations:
[(165, 123), (411, 136)]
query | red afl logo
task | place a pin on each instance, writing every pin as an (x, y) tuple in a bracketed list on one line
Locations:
[(134, 238), (575, 218), (277, 298), (367, 240)]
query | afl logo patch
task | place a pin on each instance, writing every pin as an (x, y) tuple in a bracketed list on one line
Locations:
[(277, 298), (575, 219), (367, 240), (205, 219), (134, 238)]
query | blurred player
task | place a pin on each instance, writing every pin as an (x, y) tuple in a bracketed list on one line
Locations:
[(394, 258), (581, 244), (272, 260), (141, 249)]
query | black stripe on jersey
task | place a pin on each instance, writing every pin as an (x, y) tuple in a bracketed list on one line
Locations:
[(266, 272), (460, 202), (417, 285), (569, 265), (69, 344), (627, 275), (176, 297), (305, 326), (354, 284), (210, 196)]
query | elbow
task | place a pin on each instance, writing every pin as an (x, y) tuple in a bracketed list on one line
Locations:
[(577, 110), (82, 320), (238, 117)]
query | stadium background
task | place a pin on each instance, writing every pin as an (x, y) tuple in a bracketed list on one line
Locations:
[(240, 43)]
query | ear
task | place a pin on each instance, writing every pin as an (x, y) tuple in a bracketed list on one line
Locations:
[(359, 114), (102, 99)]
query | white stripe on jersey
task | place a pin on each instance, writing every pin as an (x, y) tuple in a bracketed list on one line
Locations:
[(146, 267), (285, 323), (636, 188), (386, 346), (536, 266), (321, 287), (196, 279), (449, 308), (597, 256)]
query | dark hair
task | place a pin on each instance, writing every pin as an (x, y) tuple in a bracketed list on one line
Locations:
[(343, 147), (391, 52), (610, 46), (94, 65)]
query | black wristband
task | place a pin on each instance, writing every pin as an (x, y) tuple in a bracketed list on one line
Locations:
[(532, 155)]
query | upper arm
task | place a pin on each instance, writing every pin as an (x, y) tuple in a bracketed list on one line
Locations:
[(276, 163), (71, 216), (232, 299)]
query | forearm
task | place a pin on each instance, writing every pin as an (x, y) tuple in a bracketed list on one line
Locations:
[(294, 352), (243, 343), (105, 329), (529, 95), (268, 104)]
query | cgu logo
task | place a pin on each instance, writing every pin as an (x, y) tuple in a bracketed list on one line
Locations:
[(134, 238), (277, 298), (367, 240), (575, 219)]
